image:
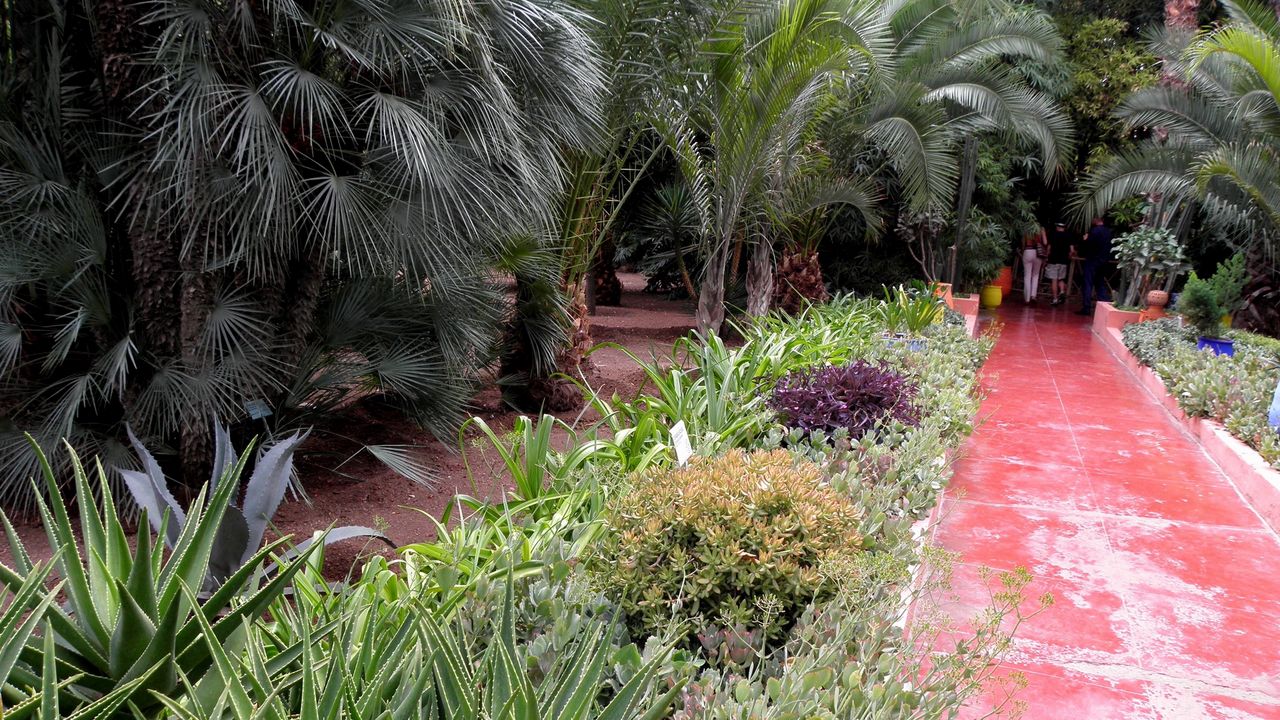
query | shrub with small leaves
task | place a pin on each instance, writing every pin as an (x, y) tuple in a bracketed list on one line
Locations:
[(735, 546), (855, 397)]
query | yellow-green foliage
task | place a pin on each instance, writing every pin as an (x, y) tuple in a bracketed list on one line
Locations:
[(736, 544)]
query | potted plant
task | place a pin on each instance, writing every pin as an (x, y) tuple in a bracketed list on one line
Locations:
[(991, 296), (1199, 307), (1152, 259)]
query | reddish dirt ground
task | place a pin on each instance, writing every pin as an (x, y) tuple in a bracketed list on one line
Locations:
[(365, 492)]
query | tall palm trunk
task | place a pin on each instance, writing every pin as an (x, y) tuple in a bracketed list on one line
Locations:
[(760, 278), (710, 315), (1182, 14)]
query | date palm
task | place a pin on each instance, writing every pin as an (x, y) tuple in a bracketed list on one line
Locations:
[(302, 206), (1219, 148)]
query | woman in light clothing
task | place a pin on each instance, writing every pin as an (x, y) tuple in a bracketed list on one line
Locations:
[(1035, 246)]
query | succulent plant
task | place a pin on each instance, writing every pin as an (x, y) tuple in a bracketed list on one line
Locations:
[(243, 526)]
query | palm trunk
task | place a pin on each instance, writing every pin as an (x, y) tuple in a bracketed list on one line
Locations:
[(760, 278), (710, 314), (968, 173)]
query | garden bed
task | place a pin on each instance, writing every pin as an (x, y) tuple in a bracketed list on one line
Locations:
[(1256, 479), (765, 575)]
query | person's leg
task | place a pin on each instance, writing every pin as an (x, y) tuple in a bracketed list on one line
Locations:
[(1100, 283), (1028, 273), (1086, 291), (1037, 267)]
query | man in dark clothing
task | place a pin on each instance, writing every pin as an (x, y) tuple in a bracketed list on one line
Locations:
[(1059, 256), (1097, 253)]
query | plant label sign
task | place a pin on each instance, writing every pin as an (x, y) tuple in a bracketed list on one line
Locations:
[(257, 409), (680, 439)]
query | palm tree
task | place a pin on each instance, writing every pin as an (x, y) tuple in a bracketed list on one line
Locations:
[(955, 79), (301, 207), (740, 130), (1219, 152), (1218, 149)]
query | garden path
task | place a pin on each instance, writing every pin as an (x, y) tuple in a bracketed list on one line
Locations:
[(1166, 584)]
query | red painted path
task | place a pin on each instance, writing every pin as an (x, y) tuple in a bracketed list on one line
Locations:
[(1166, 583)]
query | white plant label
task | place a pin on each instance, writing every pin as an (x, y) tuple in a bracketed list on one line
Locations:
[(680, 438)]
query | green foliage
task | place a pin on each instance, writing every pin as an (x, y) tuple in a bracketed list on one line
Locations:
[(1229, 281), (738, 545), (1107, 64), (1153, 341), (313, 218), (910, 309), (1198, 304), (988, 249), (849, 660), (131, 618)]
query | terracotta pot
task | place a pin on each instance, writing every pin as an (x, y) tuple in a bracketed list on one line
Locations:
[(1157, 299), (992, 295), (1004, 280)]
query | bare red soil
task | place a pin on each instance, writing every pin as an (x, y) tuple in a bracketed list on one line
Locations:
[(363, 491)]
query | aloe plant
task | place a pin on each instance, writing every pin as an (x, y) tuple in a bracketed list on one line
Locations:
[(130, 627), (243, 526)]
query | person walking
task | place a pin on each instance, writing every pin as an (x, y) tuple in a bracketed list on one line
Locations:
[(1097, 252), (1035, 247), (1059, 257)]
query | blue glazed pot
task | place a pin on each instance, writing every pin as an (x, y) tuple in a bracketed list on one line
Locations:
[(1273, 416), (1219, 346)]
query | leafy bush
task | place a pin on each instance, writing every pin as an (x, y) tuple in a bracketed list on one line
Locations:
[(1153, 341), (855, 397), (736, 544), (1149, 255), (1198, 304)]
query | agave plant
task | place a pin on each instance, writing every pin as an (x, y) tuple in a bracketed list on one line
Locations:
[(131, 626), (242, 527)]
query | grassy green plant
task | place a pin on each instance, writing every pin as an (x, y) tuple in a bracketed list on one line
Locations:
[(1229, 281), (910, 309), (375, 651)]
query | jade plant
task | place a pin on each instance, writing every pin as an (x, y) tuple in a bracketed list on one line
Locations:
[(1152, 259)]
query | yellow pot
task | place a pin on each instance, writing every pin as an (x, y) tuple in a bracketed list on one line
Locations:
[(1226, 321), (991, 296)]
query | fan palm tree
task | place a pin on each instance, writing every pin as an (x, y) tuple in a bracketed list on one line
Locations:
[(300, 205)]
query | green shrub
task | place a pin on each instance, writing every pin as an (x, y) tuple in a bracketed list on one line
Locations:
[(1152, 341), (736, 545), (1229, 281), (1198, 304)]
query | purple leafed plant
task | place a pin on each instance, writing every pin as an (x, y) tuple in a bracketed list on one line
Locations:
[(854, 396)]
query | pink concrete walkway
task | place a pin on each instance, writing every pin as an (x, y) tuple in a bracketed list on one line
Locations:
[(1166, 583)]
